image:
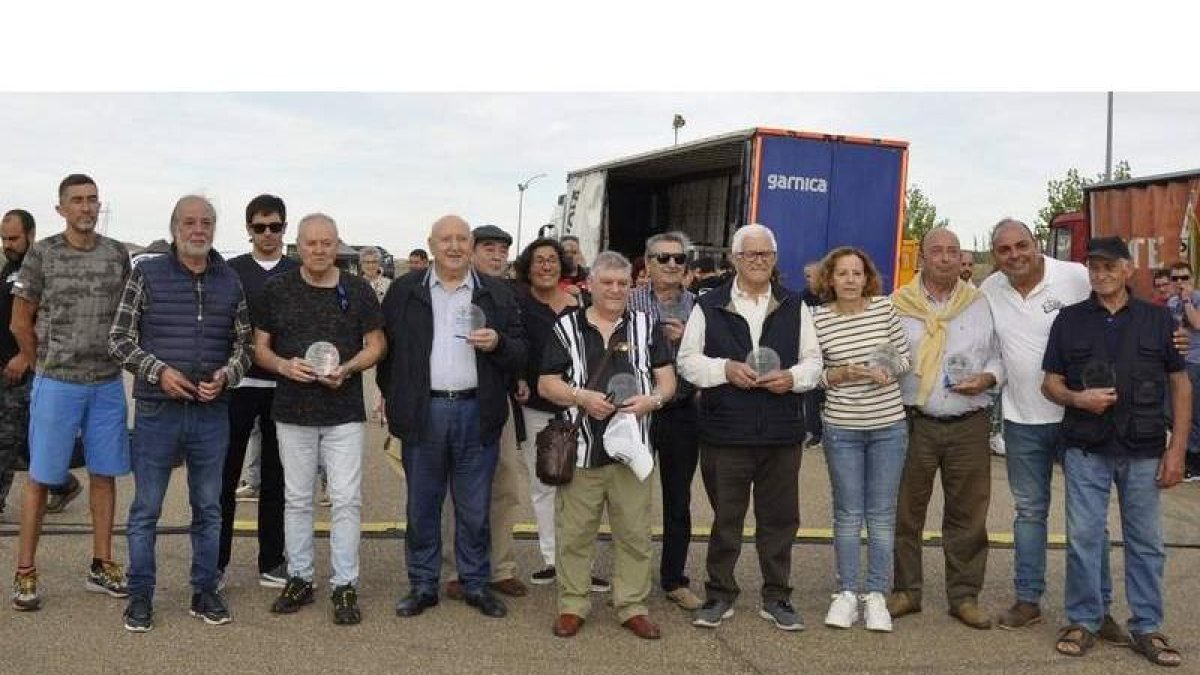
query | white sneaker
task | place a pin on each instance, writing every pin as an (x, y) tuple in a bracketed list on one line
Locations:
[(876, 613), (997, 443), (843, 611)]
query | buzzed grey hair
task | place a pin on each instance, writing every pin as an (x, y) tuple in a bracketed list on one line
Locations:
[(610, 260), (1009, 222), (753, 228), (212, 211), (369, 252), (314, 217), (675, 237)]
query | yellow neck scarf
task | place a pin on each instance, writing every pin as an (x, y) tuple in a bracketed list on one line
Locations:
[(910, 300)]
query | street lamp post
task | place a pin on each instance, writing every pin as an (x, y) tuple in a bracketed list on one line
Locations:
[(521, 188)]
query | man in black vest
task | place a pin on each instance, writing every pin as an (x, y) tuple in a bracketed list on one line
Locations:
[(1110, 361), (751, 424), (251, 400), (183, 330)]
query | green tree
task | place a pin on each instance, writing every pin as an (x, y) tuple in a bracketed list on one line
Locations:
[(1066, 195), (920, 215)]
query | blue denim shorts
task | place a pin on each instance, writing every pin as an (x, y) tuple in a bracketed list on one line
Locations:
[(59, 411)]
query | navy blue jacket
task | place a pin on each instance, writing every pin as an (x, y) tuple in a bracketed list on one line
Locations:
[(755, 417), (188, 319)]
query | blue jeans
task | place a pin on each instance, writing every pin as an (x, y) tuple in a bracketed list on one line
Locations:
[(1090, 477), (1031, 450), (162, 432), (339, 448), (449, 452), (864, 471)]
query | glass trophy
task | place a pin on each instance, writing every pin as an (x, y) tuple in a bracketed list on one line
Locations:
[(763, 360), (468, 319), (622, 387), (1099, 375), (672, 310), (958, 368), (323, 357), (885, 357)]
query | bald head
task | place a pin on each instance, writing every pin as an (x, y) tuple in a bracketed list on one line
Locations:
[(450, 242), (940, 257), (316, 223)]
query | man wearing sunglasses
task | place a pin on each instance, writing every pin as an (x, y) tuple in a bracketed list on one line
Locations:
[(1183, 305), (251, 400), (673, 428)]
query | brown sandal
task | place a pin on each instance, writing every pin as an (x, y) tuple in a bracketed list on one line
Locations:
[(1074, 640), (1156, 649)]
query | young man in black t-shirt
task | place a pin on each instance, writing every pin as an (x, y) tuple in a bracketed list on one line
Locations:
[(318, 408)]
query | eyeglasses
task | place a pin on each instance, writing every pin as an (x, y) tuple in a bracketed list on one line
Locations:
[(1183, 277), (756, 255), (664, 258), (275, 228), (1164, 284)]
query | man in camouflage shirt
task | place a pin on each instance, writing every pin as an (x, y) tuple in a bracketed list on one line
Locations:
[(66, 295)]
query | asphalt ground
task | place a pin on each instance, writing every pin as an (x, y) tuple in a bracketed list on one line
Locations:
[(79, 632)]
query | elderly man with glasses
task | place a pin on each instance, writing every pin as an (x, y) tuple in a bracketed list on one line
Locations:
[(750, 422)]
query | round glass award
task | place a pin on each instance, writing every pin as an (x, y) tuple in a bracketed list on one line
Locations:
[(885, 357), (323, 357), (467, 319), (959, 367), (622, 386), (1099, 375), (763, 360)]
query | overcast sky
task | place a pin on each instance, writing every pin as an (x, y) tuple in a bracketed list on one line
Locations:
[(386, 165)]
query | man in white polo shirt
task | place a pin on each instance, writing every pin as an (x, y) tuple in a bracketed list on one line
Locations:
[(1025, 299)]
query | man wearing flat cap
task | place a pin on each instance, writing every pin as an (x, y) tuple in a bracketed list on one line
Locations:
[(1110, 361)]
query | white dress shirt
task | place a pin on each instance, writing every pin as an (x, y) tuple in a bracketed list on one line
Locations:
[(706, 371), (969, 334)]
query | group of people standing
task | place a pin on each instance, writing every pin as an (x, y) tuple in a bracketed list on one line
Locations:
[(472, 367)]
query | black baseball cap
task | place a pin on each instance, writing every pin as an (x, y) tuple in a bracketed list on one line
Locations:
[(1113, 248), (491, 233)]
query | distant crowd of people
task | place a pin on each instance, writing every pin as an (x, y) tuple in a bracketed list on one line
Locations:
[(663, 365)]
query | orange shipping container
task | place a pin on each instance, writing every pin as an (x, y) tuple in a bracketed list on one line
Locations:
[(1148, 213)]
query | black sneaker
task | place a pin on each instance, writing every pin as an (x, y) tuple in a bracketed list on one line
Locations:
[(139, 614), (601, 585), (296, 593), (276, 577), (345, 606), (211, 608), (544, 576)]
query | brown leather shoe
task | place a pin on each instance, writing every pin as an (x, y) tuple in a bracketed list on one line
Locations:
[(567, 625), (970, 614), (643, 627), (454, 589), (511, 587), (902, 603), (1020, 615)]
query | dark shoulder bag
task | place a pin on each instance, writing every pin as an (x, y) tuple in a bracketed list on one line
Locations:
[(558, 444)]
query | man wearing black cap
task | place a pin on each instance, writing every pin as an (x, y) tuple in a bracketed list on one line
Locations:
[(1109, 362), (489, 257)]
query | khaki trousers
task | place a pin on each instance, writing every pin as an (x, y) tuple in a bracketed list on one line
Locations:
[(579, 507)]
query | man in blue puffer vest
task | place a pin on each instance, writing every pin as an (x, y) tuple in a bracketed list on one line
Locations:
[(183, 330)]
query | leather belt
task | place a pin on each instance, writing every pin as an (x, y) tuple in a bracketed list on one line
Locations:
[(916, 412), (453, 395)]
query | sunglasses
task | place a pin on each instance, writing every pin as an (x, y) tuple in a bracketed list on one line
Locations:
[(664, 258), (275, 228), (1181, 278)]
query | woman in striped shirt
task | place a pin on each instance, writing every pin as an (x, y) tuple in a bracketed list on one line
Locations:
[(866, 436)]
